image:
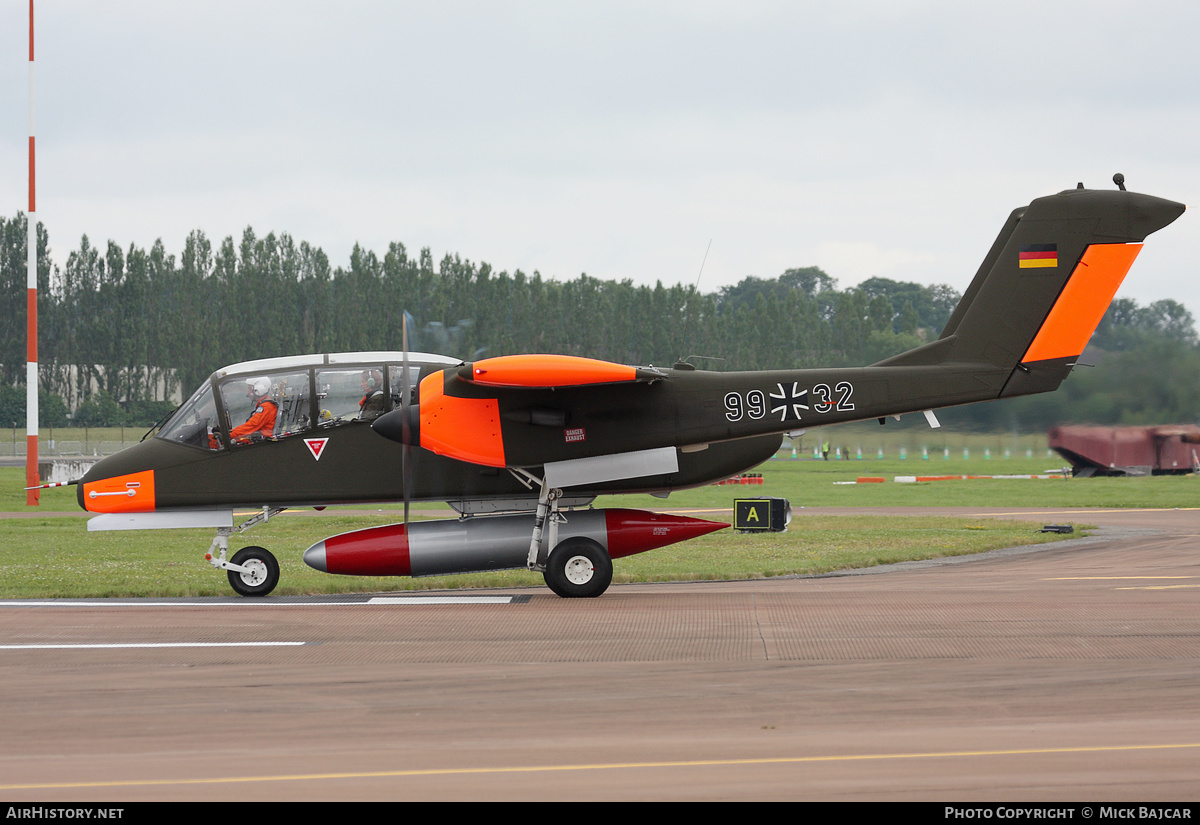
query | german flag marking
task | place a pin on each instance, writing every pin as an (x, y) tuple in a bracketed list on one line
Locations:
[(1038, 255)]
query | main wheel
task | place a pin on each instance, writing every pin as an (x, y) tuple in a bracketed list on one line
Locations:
[(262, 572), (578, 568)]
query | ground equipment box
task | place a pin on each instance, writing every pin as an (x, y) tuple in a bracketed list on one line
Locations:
[(759, 515)]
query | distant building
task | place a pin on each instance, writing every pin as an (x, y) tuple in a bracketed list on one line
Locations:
[(158, 383)]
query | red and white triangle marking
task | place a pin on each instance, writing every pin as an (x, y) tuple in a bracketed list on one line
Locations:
[(316, 446)]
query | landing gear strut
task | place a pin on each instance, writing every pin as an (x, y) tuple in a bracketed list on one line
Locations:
[(576, 568), (252, 571)]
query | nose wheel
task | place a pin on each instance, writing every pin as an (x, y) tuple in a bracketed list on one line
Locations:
[(252, 571), (258, 573)]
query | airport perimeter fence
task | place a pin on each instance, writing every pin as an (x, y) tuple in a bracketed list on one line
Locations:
[(863, 444), (82, 442), (843, 452), (77, 443), (65, 449)]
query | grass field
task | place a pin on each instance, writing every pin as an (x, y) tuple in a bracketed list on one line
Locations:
[(55, 556)]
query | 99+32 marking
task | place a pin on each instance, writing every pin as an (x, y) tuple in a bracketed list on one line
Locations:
[(754, 404)]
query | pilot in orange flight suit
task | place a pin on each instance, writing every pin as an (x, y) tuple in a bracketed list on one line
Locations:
[(262, 420)]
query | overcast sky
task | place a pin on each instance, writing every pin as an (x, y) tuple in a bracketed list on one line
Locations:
[(612, 138)]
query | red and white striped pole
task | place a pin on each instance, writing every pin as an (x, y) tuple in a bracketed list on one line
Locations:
[(31, 373)]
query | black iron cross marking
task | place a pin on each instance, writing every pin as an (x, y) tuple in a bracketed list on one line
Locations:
[(785, 399)]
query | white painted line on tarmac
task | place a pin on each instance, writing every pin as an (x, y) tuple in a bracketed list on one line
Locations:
[(441, 600), (71, 603), (345, 602), (134, 645)]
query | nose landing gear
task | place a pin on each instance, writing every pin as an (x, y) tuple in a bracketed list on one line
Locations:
[(253, 571)]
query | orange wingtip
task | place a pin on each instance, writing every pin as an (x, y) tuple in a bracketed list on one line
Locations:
[(132, 493), (548, 371)]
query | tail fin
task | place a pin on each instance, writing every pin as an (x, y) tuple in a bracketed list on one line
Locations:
[(1044, 286)]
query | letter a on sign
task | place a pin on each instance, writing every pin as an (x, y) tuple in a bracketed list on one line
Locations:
[(316, 446), (751, 514)]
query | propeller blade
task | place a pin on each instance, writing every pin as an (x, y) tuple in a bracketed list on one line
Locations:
[(405, 426)]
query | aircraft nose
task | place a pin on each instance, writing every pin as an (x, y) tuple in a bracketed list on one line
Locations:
[(121, 483), (394, 427)]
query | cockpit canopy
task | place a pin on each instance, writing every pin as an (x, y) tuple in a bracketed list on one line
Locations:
[(275, 398)]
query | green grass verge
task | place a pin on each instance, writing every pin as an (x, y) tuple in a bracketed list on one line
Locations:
[(56, 557), (41, 557), (808, 483)]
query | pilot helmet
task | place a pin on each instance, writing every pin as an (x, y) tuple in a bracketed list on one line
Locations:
[(259, 385)]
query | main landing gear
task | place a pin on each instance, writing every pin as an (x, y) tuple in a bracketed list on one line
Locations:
[(576, 568), (253, 571)]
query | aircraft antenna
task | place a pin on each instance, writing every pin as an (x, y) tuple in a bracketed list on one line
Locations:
[(691, 294), (703, 261)]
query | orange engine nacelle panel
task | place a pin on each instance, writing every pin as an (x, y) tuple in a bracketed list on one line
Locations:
[(548, 371), (467, 429)]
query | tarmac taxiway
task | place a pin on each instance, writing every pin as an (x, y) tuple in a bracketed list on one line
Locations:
[(1060, 672)]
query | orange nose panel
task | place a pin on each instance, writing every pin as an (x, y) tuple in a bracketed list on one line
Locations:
[(133, 493)]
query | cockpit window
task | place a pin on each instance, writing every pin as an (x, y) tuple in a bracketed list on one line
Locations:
[(350, 395), (194, 422), (397, 383), (267, 406)]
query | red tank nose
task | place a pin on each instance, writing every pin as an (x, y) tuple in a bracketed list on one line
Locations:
[(375, 551), (636, 531)]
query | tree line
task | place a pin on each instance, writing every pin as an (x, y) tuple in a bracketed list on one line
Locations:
[(123, 329)]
